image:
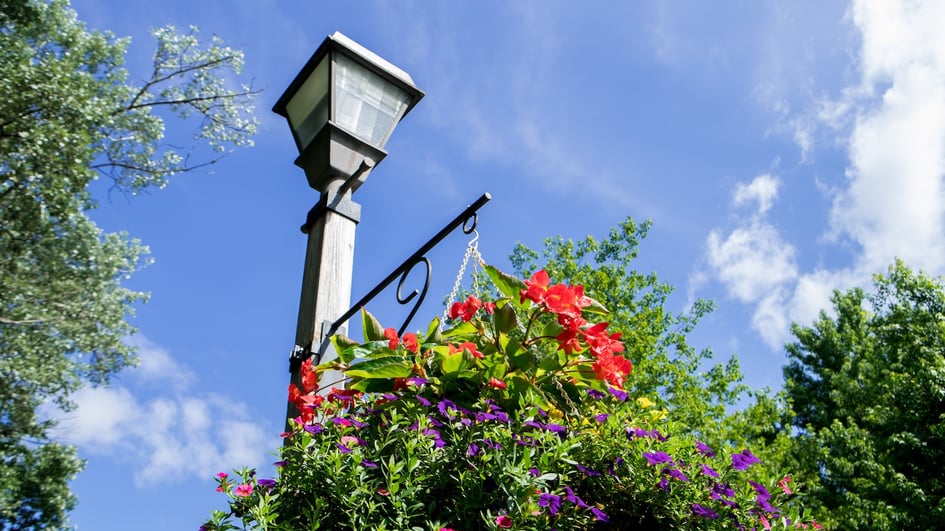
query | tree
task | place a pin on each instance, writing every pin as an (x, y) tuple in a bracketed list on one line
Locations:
[(866, 394), (69, 114), (665, 365)]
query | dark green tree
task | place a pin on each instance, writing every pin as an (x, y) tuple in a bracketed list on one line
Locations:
[(865, 389), (69, 115), (697, 393)]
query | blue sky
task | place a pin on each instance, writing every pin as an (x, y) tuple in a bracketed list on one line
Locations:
[(782, 150)]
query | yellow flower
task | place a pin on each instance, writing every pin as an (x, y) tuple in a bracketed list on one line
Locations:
[(645, 402), (659, 414)]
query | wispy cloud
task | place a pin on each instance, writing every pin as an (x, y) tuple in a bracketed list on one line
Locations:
[(890, 122), (176, 435), (753, 261)]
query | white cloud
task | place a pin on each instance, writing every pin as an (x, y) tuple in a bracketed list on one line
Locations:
[(762, 190), (751, 260), (169, 437)]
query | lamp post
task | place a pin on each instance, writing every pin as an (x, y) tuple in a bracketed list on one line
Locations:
[(341, 108)]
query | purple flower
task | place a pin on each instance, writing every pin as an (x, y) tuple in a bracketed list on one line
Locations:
[(314, 428), (602, 417), (358, 424), (600, 515), (267, 483), (704, 512), (675, 473), (416, 380), (445, 406), (473, 449), (368, 464), (534, 472), (551, 501), (709, 471), (619, 394), (423, 401), (281, 464), (341, 422), (722, 489), (492, 445), (533, 424), (595, 394), (766, 505), (573, 498), (704, 449), (556, 428), (664, 484), (343, 449), (760, 490), (587, 471), (656, 458), (743, 460), (501, 416)]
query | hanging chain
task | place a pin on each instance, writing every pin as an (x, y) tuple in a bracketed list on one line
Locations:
[(472, 253)]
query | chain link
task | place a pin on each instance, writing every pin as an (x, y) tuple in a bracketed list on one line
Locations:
[(472, 252)]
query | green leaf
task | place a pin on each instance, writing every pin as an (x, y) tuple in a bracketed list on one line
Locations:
[(596, 308), (383, 367), (433, 332), (505, 319), (463, 329), (451, 364), (374, 385), (507, 284), (344, 347), (373, 331)]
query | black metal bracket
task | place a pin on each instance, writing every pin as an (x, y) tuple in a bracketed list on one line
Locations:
[(467, 219)]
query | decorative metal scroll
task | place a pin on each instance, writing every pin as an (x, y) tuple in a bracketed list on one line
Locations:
[(467, 219)]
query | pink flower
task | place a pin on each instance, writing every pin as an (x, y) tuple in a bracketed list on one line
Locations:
[(784, 485), (496, 383), (244, 490), (222, 475), (503, 521)]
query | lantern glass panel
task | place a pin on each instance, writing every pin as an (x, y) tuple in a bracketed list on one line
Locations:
[(308, 108), (367, 105)]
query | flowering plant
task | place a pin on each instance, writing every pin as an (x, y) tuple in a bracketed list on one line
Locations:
[(513, 416)]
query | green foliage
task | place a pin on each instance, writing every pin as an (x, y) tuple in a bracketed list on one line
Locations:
[(497, 424), (665, 365), (866, 405), (69, 115)]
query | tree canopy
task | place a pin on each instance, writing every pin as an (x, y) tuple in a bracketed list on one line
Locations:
[(70, 115), (865, 388)]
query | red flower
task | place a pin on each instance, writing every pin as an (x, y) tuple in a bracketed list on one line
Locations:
[(309, 377), (410, 342), (489, 307), (613, 368), (466, 309), (468, 345), (345, 396), (496, 383), (536, 287), (566, 300), (602, 343), (391, 334), (568, 341), (503, 521)]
